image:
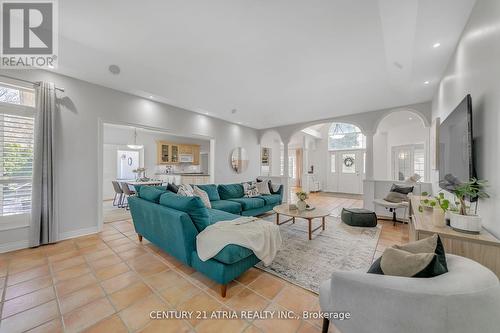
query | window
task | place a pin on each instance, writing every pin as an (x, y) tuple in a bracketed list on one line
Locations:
[(407, 161), (345, 136), (17, 95), (16, 149)]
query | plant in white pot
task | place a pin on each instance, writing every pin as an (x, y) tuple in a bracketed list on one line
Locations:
[(463, 220)]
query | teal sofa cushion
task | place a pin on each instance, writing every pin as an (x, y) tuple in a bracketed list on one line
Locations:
[(230, 191), (151, 193), (233, 253), (219, 215), (271, 199), (191, 205), (211, 189), (227, 206), (250, 203), (138, 188)]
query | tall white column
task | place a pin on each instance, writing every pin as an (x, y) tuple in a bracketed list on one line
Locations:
[(369, 156), (286, 175)]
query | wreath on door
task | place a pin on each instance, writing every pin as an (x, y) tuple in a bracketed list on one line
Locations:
[(348, 162)]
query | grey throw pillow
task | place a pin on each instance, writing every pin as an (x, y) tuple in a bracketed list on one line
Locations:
[(402, 263), (396, 197)]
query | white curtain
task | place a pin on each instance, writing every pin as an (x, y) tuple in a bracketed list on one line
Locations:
[(43, 224)]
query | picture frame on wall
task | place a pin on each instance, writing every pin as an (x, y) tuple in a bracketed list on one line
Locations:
[(265, 156), (434, 144)]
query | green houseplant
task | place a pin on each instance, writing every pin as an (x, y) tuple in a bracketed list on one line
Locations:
[(439, 205), (464, 220)]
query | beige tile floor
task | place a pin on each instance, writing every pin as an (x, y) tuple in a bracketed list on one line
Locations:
[(109, 282)]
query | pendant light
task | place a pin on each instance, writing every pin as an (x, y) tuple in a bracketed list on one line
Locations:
[(135, 145), (338, 133)]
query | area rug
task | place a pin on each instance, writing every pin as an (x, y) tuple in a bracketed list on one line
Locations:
[(308, 263)]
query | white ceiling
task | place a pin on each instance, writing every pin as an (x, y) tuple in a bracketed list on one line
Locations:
[(276, 61)]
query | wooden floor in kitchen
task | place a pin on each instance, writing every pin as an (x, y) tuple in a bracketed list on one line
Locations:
[(109, 282)]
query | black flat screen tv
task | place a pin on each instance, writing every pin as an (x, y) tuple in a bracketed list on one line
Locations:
[(456, 147)]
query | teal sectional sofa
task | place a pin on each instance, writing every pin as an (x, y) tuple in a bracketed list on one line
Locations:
[(172, 222)]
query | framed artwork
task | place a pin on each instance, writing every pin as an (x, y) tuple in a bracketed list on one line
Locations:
[(265, 156), (434, 144)]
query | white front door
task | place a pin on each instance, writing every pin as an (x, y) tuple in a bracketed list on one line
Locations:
[(345, 171)]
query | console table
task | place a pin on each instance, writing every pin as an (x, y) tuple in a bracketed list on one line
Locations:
[(483, 247)]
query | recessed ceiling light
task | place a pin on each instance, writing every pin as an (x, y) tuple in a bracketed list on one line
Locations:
[(410, 118), (426, 82), (436, 45), (239, 123), (151, 96), (206, 113), (114, 69)]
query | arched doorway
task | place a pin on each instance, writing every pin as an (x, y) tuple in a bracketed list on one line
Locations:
[(346, 158)]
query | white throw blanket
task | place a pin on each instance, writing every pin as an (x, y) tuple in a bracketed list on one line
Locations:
[(262, 237)]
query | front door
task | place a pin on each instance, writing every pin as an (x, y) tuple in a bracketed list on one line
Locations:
[(345, 171)]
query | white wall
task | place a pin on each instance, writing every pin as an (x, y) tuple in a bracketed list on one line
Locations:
[(83, 108), (475, 69)]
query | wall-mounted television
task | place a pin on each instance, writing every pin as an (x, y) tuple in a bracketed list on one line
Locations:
[(456, 147)]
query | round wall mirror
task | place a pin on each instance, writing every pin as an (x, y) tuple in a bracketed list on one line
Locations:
[(239, 160)]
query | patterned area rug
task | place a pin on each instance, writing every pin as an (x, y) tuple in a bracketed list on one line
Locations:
[(308, 263)]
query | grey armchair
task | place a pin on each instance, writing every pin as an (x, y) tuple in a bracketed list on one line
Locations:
[(464, 300)]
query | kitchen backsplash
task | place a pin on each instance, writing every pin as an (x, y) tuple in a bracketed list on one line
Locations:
[(178, 168)]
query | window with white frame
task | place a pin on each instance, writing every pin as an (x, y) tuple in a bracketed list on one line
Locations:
[(343, 136), (408, 160), (16, 149)]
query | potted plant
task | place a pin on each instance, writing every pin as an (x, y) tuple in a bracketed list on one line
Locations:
[(439, 205), (464, 220), (301, 204)]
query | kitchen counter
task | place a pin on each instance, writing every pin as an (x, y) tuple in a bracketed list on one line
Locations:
[(184, 178)]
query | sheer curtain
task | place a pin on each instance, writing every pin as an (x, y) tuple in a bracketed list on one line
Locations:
[(43, 224)]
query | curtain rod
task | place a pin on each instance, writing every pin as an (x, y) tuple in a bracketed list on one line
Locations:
[(26, 81)]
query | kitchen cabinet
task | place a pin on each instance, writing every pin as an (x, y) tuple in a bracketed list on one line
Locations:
[(169, 153)]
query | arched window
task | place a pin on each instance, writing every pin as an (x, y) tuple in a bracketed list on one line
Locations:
[(343, 136)]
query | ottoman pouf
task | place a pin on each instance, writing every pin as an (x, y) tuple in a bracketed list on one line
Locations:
[(358, 217)]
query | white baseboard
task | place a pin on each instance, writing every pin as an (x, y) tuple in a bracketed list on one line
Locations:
[(12, 246), (78, 233)]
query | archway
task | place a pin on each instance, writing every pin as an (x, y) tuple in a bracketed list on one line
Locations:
[(401, 147)]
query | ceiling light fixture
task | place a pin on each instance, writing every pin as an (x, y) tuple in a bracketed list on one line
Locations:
[(151, 96), (338, 132), (426, 82), (436, 45), (135, 145)]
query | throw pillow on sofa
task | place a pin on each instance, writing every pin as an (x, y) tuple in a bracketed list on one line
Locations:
[(263, 187), (433, 245), (151, 193), (402, 263), (172, 187), (203, 196), (250, 190), (185, 190)]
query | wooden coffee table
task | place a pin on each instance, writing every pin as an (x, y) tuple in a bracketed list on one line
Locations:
[(308, 215)]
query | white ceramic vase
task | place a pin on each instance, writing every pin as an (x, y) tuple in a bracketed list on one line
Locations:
[(301, 205), (438, 218), (467, 223)]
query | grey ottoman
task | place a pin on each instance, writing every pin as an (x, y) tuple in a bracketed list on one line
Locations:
[(358, 217)]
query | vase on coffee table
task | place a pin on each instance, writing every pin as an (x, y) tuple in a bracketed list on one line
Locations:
[(301, 205)]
